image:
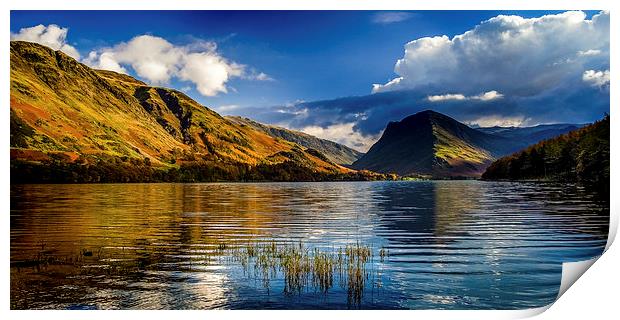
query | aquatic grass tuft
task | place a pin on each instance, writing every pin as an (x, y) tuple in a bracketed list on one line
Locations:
[(383, 253), (303, 268)]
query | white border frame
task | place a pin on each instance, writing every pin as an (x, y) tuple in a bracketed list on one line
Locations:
[(597, 290)]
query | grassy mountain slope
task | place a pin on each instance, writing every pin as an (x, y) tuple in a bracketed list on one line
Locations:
[(432, 144), (335, 152), (63, 112), (580, 155)]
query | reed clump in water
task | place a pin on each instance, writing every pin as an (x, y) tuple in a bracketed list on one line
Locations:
[(302, 267), (357, 275), (383, 253)]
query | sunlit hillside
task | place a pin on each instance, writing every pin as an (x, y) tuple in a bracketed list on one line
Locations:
[(64, 113)]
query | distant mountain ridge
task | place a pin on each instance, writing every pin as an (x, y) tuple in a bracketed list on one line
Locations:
[(335, 152), (531, 135)]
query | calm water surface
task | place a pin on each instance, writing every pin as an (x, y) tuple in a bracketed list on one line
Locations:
[(447, 244)]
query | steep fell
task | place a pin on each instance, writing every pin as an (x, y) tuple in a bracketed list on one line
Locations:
[(431, 144)]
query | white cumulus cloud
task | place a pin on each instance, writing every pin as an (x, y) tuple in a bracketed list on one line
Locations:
[(500, 121), (517, 56), (209, 72), (596, 78), (488, 96), (158, 61), (261, 76), (52, 36), (590, 52), (485, 96), (343, 133), (447, 96), (390, 17), (226, 108)]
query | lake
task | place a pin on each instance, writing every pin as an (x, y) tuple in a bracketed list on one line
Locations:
[(332, 245)]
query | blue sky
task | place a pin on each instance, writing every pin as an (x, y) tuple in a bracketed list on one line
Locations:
[(275, 63)]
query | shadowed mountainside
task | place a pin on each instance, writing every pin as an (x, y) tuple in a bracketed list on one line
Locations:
[(434, 145)]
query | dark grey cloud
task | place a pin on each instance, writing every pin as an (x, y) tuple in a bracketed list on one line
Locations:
[(573, 102)]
